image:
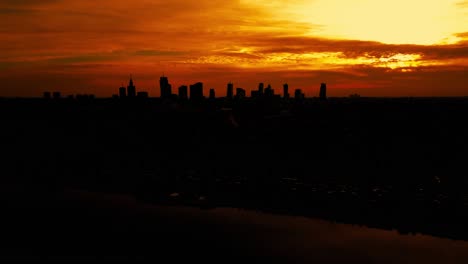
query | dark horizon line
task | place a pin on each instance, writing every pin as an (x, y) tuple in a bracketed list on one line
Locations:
[(249, 97)]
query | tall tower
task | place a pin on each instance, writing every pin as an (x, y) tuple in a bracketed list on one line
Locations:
[(196, 91), (183, 92), (122, 92), (261, 87), (212, 94), (285, 91), (166, 88), (269, 92), (240, 93), (230, 90), (323, 91), (131, 89), (298, 94)]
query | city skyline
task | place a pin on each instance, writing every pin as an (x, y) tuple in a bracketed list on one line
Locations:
[(87, 47), (197, 92)]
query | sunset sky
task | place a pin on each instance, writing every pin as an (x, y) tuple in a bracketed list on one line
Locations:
[(370, 47)]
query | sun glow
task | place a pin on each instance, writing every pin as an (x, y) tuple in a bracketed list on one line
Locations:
[(423, 22), (315, 60)]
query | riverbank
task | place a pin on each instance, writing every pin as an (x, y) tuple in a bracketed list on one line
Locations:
[(80, 225)]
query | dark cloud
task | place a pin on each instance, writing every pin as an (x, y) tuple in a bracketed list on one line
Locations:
[(351, 48), (99, 42), (27, 2), (20, 7), (152, 53)]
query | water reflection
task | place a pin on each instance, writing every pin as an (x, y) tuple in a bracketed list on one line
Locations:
[(306, 239), (288, 238)]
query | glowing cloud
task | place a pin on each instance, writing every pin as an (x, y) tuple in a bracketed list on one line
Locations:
[(387, 21), (93, 46)]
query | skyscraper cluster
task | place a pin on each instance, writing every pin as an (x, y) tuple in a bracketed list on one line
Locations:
[(195, 91), (131, 91)]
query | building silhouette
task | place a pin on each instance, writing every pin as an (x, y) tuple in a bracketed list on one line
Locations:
[(165, 87), (212, 94), (196, 91), (230, 90), (323, 91), (261, 87), (240, 93), (183, 92), (56, 95), (131, 89), (269, 92), (142, 95), (298, 94), (122, 92), (254, 94), (47, 95), (85, 97), (285, 91)]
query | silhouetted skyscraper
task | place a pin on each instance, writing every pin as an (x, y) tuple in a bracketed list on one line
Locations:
[(166, 88), (131, 89), (122, 92), (269, 92), (183, 92), (230, 90), (261, 88), (240, 93), (298, 95), (196, 91), (254, 94), (212, 94), (285, 91), (323, 91)]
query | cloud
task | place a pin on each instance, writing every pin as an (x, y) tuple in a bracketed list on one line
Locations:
[(103, 41), (152, 53), (21, 7)]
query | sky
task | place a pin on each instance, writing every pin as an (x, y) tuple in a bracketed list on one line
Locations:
[(369, 47)]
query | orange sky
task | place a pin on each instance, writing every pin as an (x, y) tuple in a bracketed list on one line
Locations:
[(370, 47)]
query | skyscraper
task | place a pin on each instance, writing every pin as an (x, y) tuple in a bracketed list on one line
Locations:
[(183, 92), (212, 94), (323, 91), (298, 95), (240, 93), (122, 92), (230, 90), (260, 88), (165, 87), (131, 89), (196, 91), (269, 92), (285, 91)]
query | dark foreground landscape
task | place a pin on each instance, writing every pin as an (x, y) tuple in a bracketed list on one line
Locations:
[(392, 164)]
